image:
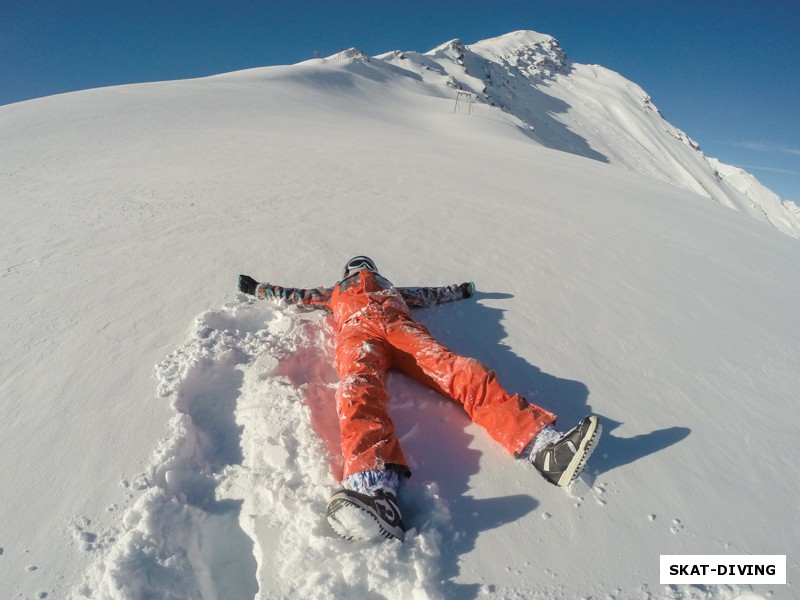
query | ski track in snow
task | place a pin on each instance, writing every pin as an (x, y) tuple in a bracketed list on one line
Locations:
[(237, 495)]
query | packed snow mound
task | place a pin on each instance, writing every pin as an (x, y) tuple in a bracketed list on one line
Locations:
[(237, 493)]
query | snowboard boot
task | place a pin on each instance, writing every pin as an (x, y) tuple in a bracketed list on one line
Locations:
[(563, 459), (356, 516)]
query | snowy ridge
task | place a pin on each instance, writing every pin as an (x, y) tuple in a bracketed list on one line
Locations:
[(593, 112)]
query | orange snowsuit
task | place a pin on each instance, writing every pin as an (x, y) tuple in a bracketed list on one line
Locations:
[(375, 332)]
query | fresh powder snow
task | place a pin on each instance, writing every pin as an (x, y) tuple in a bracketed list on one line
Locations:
[(167, 437)]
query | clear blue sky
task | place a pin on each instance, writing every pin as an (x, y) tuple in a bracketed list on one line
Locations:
[(725, 71)]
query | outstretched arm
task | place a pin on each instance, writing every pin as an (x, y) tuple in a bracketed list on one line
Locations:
[(314, 298), (420, 297)]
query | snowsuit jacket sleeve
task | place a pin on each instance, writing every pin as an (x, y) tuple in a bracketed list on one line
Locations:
[(421, 297), (313, 298)]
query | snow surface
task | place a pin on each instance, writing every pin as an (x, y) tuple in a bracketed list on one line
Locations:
[(166, 437)]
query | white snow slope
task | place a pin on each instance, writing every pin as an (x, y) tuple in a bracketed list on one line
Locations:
[(167, 438)]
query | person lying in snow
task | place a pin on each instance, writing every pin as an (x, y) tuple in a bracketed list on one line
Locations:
[(375, 332)]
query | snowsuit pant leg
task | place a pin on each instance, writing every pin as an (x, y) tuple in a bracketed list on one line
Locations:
[(367, 433), (508, 418)]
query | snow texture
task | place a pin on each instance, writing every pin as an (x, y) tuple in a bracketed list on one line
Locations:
[(607, 280)]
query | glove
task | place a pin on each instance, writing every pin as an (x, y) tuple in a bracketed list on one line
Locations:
[(247, 284), (468, 289)]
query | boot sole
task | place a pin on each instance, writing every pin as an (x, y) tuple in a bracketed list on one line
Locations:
[(352, 521)]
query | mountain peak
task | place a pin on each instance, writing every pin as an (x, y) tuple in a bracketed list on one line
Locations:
[(453, 49), (514, 40), (589, 111), (531, 52)]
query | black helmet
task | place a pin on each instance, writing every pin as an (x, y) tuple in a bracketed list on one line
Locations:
[(358, 263)]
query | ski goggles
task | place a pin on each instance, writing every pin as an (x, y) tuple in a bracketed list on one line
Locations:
[(358, 263)]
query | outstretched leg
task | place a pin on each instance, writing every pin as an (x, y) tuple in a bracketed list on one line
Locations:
[(508, 418)]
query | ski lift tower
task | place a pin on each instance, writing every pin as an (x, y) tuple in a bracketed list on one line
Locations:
[(463, 98)]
